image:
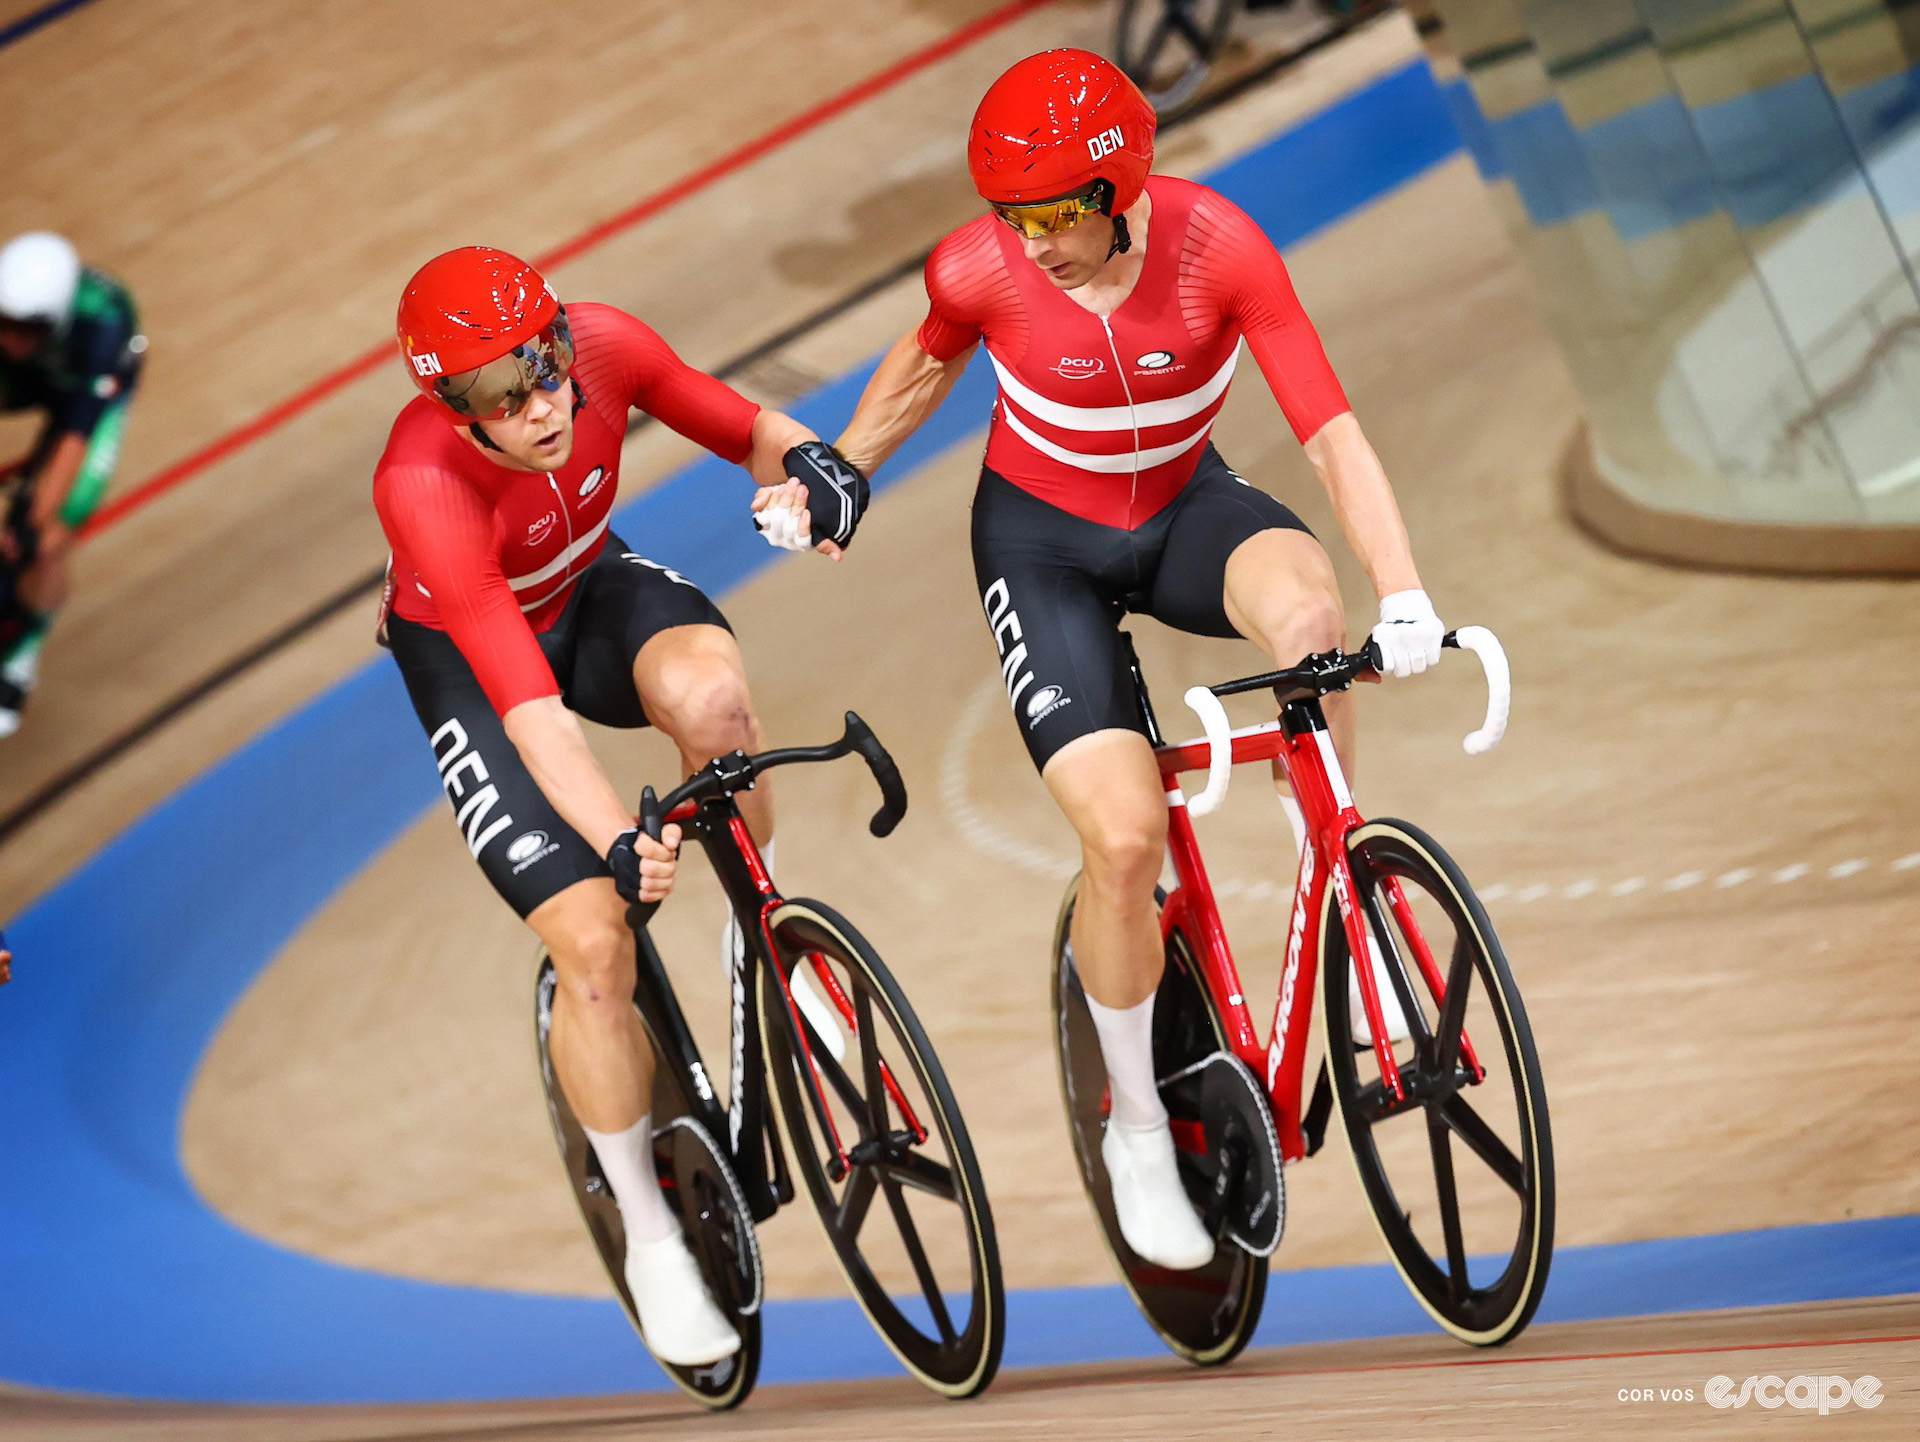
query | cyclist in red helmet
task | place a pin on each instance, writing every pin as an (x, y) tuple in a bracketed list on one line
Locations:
[(1112, 304), (512, 610)]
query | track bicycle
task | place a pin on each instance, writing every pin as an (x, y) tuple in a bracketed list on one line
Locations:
[(1448, 1129), (871, 1123), (1169, 47)]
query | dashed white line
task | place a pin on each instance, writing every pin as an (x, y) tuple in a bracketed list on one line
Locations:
[(998, 842)]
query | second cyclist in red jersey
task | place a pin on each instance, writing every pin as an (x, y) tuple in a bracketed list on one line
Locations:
[(512, 610), (1112, 305)]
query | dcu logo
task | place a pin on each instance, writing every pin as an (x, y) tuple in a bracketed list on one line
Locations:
[(537, 532), (1078, 368)]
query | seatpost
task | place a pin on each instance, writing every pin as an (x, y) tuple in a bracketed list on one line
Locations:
[(1140, 690)]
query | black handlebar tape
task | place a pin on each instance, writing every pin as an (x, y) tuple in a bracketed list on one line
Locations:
[(641, 912), (1452, 638), (893, 790)]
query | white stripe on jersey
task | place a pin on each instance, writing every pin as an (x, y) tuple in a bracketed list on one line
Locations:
[(1117, 418), (1124, 463), (560, 562)]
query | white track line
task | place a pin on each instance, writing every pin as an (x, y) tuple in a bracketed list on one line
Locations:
[(991, 839)]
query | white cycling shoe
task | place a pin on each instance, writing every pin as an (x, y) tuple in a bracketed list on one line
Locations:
[(678, 1317), (1390, 1011), (1156, 1218)]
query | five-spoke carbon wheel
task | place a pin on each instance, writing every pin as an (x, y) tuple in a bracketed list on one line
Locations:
[(1167, 47), (1459, 1168), (877, 1136)]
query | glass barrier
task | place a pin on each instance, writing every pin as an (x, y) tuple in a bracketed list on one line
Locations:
[(1721, 202)]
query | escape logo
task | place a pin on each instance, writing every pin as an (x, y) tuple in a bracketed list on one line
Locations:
[(1823, 1394)]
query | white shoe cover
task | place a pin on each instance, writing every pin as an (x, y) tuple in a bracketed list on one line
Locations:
[(9, 722), (1390, 1011), (678, 1317), (1156, 1218)]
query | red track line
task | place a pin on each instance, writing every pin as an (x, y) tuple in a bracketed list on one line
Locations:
[(305, 400)]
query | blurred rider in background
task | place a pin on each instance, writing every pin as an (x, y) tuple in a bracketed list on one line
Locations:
[(71, 348)]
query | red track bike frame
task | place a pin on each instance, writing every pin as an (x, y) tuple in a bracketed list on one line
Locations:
[(1304, 749)]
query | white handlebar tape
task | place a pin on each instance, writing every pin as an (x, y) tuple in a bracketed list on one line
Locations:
[(1493, 660), (1213, 719)]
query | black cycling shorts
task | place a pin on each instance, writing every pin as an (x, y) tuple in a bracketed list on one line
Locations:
[(1055, 588), (525, 849)]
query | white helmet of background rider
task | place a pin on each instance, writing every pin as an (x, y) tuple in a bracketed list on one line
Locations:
[(39, 273)]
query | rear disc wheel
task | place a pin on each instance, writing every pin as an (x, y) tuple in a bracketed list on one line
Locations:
[(704, 1194), (1206, 1315)]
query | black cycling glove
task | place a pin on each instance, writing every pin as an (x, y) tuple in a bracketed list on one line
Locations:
[(837, 494), (624, 862)]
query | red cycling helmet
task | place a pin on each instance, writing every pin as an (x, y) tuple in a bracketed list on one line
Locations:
[(1056, 123), (479, 329)]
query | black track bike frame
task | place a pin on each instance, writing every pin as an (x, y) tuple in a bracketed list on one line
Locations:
[(705, 810)]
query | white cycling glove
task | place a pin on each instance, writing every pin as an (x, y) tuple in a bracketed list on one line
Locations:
[(1409, 634), (781, 527)]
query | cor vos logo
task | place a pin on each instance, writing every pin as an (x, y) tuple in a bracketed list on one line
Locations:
[(1105, 143)]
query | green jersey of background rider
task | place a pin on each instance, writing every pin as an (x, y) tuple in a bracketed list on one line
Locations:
[(81, 370), (70, 348)]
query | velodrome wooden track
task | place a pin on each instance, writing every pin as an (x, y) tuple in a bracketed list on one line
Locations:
[(1720, 1056)]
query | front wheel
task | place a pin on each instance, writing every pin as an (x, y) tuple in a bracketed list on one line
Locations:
[(878, 1138), (1459, 1168)]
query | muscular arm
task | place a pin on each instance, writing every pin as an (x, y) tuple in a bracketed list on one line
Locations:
[(906, 389), (1364, 502), (549, 739)]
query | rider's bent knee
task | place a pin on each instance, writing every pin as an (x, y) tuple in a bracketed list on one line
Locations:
[(1126, 851), (711, 711), (1309, 626), (596, 963)]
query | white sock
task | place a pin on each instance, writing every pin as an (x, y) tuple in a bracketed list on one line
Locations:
[(627, 1159), (1126, 1045)]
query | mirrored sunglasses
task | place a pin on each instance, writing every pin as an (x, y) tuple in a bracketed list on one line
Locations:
[(500, 388)]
